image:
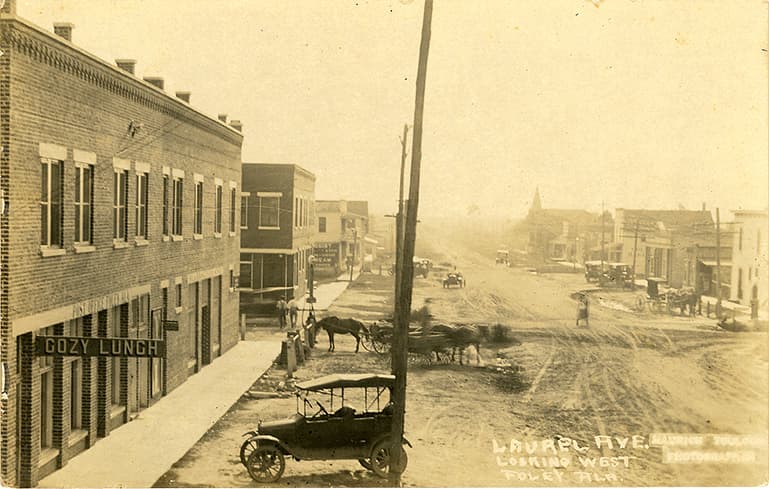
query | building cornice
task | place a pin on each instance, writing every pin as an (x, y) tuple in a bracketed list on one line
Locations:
[(27, 39)]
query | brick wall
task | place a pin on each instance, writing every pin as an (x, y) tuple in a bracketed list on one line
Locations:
[(55, 95)]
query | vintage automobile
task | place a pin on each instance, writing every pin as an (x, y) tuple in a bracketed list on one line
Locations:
[(453, 278), (503, 257), (337, 433), (617, 275), (593, 271)]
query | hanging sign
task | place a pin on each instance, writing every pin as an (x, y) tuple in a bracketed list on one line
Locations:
[(74, 346)]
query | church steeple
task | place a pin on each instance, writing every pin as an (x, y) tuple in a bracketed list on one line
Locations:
[(536, 204)]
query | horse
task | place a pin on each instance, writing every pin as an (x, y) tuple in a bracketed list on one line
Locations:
[(334, 325), (460, 337)]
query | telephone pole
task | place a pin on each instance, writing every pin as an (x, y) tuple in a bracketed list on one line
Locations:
[(718, 264), (603, 240), (400, 221), (635, 247), (403, 303)]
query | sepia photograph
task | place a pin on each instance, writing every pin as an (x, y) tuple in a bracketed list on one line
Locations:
[(384, 243)]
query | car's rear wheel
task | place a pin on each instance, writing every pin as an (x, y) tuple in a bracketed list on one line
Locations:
[(247, 447), (365, 464), (266, 464), (380, 458)]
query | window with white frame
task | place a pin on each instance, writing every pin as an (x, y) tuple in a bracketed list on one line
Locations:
[(166, 195), (245, 279), (142, 195), (177, 203), (233, 200), (198, 227), (83, 203), (269, 210), (296, 212), (120, 204), (244, 211), (178, 298), (51, 202), (218, 214)]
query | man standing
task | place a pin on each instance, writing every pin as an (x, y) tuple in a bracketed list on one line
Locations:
[(583, 309), (293, 309), (281, 307)]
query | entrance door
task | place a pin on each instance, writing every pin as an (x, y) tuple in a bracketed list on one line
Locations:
[(205, 322)]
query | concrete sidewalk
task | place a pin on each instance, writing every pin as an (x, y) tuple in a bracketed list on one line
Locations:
[(138, 453), (326, 294)]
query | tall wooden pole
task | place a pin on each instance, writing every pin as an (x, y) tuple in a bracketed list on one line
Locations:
[(718, 264), (635, 248), (603, 240), (400, 221), (403, 307)]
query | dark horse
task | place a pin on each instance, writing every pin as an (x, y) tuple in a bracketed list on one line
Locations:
[(334, 325), (460, 337)]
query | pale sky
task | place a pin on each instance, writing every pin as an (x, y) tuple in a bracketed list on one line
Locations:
[(641, 104)]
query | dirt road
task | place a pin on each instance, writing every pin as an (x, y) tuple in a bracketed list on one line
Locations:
[(586, 406)]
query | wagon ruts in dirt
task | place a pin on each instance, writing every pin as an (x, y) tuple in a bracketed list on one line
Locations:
[(329, 430)]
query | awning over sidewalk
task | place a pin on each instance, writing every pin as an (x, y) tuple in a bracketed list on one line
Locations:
[(712, 263)]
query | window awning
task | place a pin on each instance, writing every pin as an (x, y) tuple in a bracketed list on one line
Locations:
[(712, 263)]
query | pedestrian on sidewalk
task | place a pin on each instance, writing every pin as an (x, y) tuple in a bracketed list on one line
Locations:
[(282, 308), (293, 310), (583, 309)]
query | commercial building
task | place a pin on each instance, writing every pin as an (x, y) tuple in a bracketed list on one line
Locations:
[(277, 231), (565, 234), (677, 246), (119, 221), (750, 263), (342, 238)]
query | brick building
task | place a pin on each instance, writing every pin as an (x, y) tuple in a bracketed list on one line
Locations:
[(277, 229), (118, 212)]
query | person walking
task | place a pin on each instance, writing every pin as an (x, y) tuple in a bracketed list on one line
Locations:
[(281, 307), (583, 309), (293, 310)]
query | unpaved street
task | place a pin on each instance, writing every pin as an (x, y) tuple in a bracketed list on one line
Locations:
[(623, 379)]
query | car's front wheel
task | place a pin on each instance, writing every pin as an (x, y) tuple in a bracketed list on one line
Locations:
[(380, 458), (266, 464)]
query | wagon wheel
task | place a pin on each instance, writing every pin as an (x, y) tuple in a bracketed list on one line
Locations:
[(640, 303), (380, 458), (247, 448), (266, 464), (365, 464), (379, 344), (366, 342)]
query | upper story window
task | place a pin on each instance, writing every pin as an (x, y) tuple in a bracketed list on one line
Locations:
[(166, 201), (296, 212), (83, 203), (269, 210), (233, 200), (120, 204), (51, 202), (321, 224), (244, 210), (142, 196), (218, 212), (177, 202), (198, 225)]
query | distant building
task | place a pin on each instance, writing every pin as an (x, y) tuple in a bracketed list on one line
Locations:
[(565, 234), (677, 246), (750, 263), (118, 214), (342, 234), (277, 229)]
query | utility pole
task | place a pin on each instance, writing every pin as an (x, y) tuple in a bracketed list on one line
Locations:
[(400, 221), (635, 247), (354, 246), (403, 304), (603, 240), (718, 264)]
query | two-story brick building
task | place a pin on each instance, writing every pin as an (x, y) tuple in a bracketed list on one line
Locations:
[(119, 212), (277, 229)]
